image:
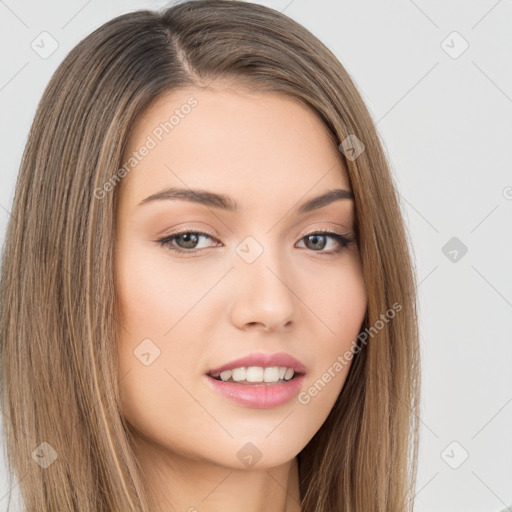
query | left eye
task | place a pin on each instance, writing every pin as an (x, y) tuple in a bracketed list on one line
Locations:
[(320, 238), (316, 241)]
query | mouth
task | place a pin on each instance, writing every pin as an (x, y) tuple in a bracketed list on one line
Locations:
[(260, 381), (259, 369), (257, 375)]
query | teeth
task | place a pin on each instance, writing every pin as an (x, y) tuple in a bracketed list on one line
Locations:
[(254, 374), (226, 375), (238, 374), (258, 374), (271, 374)]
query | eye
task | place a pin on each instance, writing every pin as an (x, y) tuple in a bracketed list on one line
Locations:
[(187, 242), (187, 239), (317, 241)]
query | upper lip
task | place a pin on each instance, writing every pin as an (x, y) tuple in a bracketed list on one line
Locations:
[(264, 360)]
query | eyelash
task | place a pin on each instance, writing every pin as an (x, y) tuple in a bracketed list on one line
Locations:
[(342, 240)]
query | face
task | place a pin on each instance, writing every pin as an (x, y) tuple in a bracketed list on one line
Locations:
[(200, 285)]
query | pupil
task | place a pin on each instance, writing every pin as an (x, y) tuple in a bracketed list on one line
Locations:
[(315, 238), (190, 243)]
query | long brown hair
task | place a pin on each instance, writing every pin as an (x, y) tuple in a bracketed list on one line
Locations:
[(59, 385)]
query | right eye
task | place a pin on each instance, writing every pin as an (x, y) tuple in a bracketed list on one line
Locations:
[(187, 239)]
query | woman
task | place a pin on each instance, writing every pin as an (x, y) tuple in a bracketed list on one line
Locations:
[(208, 300)]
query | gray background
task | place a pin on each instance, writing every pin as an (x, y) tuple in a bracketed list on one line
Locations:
[(444, 115)]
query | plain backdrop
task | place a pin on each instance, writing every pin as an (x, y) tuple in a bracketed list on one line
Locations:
[(437, 78)]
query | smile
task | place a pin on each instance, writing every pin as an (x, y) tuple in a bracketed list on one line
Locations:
[(256, 374)]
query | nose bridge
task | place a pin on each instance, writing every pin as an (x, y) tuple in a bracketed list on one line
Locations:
[(262, 258), (263, 294)]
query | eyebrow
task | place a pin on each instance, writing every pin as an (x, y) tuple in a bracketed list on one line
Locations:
[(224, 202)]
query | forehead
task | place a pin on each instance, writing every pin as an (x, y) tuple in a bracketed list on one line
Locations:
[(250, 145)]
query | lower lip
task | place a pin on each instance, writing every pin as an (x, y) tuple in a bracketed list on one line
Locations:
[(259, 396)]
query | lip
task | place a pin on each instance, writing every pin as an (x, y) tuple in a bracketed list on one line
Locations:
[(263, 360), (259, 396)]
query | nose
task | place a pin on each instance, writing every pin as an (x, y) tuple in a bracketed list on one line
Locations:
[(264, 294)]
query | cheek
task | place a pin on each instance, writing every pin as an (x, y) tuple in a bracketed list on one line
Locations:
[(153, 294), (340, 309), (337, 297), (156, 355)]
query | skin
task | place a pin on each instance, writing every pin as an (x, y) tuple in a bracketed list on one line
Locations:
[(270, 154)]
